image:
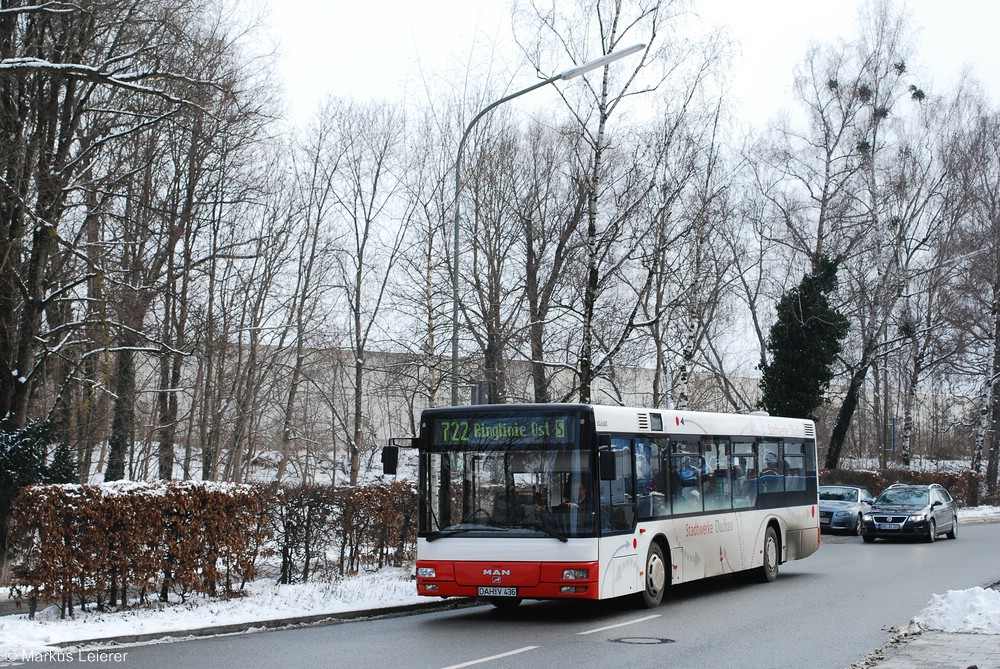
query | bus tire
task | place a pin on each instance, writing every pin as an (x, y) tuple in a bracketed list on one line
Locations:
[(655, 577), (768, 571)]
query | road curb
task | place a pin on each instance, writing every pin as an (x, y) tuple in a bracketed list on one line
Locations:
[(314, 620)]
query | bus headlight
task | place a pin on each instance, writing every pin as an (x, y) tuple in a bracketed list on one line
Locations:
[(574, 574), (426, 572)]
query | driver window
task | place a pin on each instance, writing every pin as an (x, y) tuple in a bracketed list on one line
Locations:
[(770, 468)]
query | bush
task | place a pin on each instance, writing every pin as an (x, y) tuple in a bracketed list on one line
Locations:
[(90, 543), (96, 544), (964, 486), (339, 531)]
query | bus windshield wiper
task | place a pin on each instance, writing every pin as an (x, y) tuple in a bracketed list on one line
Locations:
[(455, 529), (548, 530), (449, 532)]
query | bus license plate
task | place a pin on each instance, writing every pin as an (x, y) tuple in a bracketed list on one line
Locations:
[(888, 526), (497, 592)]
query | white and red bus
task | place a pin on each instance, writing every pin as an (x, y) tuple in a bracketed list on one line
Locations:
[(552, 501)]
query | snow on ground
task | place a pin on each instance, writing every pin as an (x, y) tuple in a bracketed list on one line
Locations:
[(975, 610), (265, 601)]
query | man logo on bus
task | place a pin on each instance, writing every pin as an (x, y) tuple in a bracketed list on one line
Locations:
[(496, 572)]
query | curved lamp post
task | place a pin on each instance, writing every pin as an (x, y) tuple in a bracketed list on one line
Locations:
[(568, 74)]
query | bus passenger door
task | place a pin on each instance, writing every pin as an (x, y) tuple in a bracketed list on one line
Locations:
[(617, 518)]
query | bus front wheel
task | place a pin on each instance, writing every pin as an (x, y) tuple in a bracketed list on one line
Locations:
[(655, 577)]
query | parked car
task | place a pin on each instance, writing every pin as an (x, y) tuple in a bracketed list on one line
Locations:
[(841, 507), (923, 511)]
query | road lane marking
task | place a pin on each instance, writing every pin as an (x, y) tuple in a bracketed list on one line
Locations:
[(611, 627), (491, 657)]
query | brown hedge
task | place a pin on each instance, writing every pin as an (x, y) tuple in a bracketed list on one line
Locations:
[(99, 543), (964, 486), (77, 545), (339, 531)]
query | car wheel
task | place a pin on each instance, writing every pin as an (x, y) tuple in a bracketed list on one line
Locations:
[(769, 570), (868, 538), (953, 532), (656, 577), (858, 526), (931, 531)]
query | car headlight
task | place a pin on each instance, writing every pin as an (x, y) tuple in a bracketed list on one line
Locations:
[(843, 514), (918, 518), (867, 517)]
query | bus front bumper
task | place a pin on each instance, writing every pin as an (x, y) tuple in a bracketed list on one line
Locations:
[(515, 580)]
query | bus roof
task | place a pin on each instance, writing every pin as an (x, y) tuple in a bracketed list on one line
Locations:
[(610, 418)]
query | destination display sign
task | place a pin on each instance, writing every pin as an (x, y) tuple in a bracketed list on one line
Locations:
[(502, 430)]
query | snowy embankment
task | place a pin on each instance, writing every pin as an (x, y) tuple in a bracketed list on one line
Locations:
[(976, 610)]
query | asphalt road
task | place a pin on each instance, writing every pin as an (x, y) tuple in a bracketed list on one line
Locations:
[(829, 610)]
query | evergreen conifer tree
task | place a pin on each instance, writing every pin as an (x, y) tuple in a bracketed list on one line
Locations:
[(803, 345)]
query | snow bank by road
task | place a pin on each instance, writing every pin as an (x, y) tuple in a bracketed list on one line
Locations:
[(973, 611)]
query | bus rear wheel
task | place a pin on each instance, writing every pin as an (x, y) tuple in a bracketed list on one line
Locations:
[(768, 571), (655, 580)]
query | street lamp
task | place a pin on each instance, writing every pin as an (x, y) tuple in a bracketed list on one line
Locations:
[(567, 74)]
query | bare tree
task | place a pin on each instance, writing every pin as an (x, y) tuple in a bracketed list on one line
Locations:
[(549, 206), (372, 219), (614, 183), (424, 271), (837, 189), (317, 171), (73, 84), (981, 267)]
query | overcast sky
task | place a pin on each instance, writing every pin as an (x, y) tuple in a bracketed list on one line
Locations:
[(379, 50)]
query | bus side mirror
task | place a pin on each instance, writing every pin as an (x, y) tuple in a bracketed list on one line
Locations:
[(606, 465), (390, 459), (390, 453)]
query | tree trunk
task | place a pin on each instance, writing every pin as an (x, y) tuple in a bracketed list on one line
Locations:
[(992, 464), (844, 416), (123, 420)]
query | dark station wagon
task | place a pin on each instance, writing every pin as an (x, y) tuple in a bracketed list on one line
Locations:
[(915, 511)]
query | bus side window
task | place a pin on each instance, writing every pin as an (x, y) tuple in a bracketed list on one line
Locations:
[(771, 468), (685, 479), (744, 487), (795, 466), (719, 488)]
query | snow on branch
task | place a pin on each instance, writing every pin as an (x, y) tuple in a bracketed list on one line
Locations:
[(124, 80)]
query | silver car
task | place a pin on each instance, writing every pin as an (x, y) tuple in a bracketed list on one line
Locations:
[(841, 508)]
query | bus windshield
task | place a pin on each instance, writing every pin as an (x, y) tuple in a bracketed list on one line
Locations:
[(506, 474)]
